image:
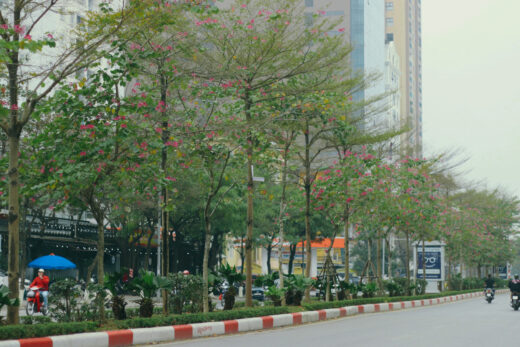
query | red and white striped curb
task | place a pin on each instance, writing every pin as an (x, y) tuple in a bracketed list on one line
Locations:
[(180, 332)]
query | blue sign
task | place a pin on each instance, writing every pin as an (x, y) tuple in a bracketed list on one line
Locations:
[(432, 261), (502, 272)]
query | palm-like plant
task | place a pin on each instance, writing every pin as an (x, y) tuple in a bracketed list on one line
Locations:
[(111, 282), (148, 284), (296, 285), (232, 276)]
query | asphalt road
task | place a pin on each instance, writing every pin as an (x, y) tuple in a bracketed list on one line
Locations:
[(470, 322)]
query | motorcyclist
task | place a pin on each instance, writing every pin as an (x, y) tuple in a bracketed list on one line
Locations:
[(514, 285), (490, 283), (42, 282)]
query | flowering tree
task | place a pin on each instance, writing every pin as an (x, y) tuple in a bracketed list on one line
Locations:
[(28, 81), (253, 46)]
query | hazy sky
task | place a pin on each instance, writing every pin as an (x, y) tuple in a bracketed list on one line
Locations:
[(471, 86)]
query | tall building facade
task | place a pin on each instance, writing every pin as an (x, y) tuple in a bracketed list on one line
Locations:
[(393, 103), (364, 24), (403, 27)]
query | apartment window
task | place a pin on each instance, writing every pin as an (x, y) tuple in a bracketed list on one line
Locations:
[(389, 21), (309, 3), (389, 6), (389, 37), (308, 19)]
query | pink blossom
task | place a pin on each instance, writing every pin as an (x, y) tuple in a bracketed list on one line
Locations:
[(14, 107), (341, 30), (18, 29), (82, 153), (101, 152), (4, 26), (49, 35), (123, 125), (27, 37)]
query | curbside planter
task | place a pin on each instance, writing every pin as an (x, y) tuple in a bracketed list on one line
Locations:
[(130, 337)]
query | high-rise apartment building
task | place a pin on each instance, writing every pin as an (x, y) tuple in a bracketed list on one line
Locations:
[(403, 27), (364, 24)]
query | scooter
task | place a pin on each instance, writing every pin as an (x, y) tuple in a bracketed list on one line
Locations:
[(35, 302), (489, 295), (515, 300)]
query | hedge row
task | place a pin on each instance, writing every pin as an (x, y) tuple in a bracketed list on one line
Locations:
[(189, 318), (20, 331), (381, 299)]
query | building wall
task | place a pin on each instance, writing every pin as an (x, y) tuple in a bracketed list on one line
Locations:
[(393, 101), (403, 24)]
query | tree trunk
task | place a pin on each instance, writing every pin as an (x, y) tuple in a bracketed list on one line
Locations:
[(269, 251), (205, 270), (407, 262), (13, 224), (307, 186), (249, 220), (389, 257), (292, 255), (347, 244), (281, 215), (165, 245), (379, 262)]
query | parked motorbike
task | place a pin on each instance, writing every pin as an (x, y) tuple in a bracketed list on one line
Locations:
[(515, 300), (489, 295), (34, 302)]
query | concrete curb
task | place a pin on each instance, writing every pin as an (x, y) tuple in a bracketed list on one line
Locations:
[(131, 337)]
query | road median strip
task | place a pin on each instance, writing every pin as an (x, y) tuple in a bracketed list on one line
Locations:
[(128, 337)]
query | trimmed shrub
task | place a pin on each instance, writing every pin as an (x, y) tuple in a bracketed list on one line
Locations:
[(378, 300), (189, 318), (20, 331)]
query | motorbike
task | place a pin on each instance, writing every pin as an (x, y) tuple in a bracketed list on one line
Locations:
[(34, 302), (515, 300), (489, 295)]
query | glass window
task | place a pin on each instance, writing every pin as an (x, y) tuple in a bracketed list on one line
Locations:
[(389, 37), (309, 19), (389, 21), (389, 6), (309, 3)]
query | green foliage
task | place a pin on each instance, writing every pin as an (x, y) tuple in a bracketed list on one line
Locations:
[(369, 289), (421, 284), (267, 280), (64, 300), (5, 300), (189, 318), (35, 319), (21, 331), (376, 300), (296, 286), (148, 284), (231, 274), (186, 295), (111, 282), (275, 294)]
